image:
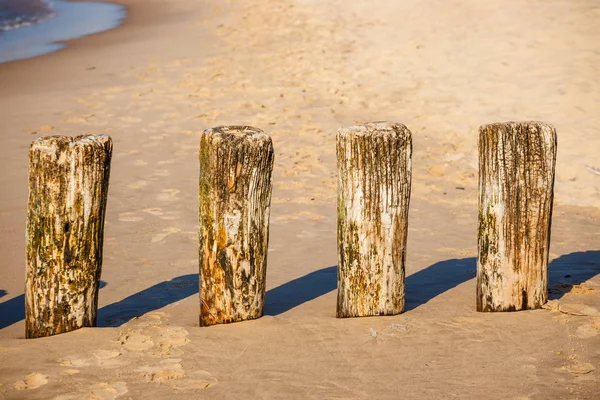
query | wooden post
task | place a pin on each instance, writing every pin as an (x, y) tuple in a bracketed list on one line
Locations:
[(68, 187), (234, 202), (516, 186), (374, 178)]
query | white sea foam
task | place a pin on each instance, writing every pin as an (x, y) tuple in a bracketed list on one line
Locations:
[(16, 14)]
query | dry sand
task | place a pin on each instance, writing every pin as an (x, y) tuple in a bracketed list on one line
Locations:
[(299, 69)]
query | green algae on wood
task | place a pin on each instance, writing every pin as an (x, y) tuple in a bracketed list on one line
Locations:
[(516, 190), (374, 182), (68, 188), (234, 194)]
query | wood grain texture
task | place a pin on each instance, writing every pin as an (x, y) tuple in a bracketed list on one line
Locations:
[(374, 182), (234, 204), (68, 188), (516, 186)]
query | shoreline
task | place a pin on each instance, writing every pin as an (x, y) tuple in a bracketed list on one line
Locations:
[(12, 73), (68, 20)]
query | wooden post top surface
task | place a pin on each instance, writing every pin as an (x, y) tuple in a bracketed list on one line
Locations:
[(519, 127), (81, 139), (379, 128), (237, 132), (55, 142)]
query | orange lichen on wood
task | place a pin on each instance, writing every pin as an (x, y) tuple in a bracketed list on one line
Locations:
[(234, 204)]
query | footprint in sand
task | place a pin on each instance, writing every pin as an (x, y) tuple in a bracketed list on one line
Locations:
[(196, 380), (161, 172), (107, 358), (152, 338), (167, 340), (149, 320), (153, 211), (136, 342), (102, 391), (70, 372), (166, 370), (171, 215), (75, 361), (101, 358), (156, 316), (31, 381), (170, 340), (137, 185), (168, 195), (140, 163), (129, 217), (166, 232), (171, 371)]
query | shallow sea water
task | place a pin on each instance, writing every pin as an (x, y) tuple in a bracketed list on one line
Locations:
[(18, 13), (30, 28)]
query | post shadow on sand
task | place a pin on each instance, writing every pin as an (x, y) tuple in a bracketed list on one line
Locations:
[(571, 269), (300, 290), (430, 282), (153, 298), (13, 310), (278, 300), (421, 287)]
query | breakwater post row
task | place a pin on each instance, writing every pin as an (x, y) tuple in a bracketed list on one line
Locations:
[(68, 186)]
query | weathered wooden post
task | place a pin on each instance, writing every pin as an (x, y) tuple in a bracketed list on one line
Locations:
[(68, 188), (374, 179), (516, 186), (234, 202)]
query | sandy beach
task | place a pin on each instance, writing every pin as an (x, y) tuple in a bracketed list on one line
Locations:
[(299, 70)]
